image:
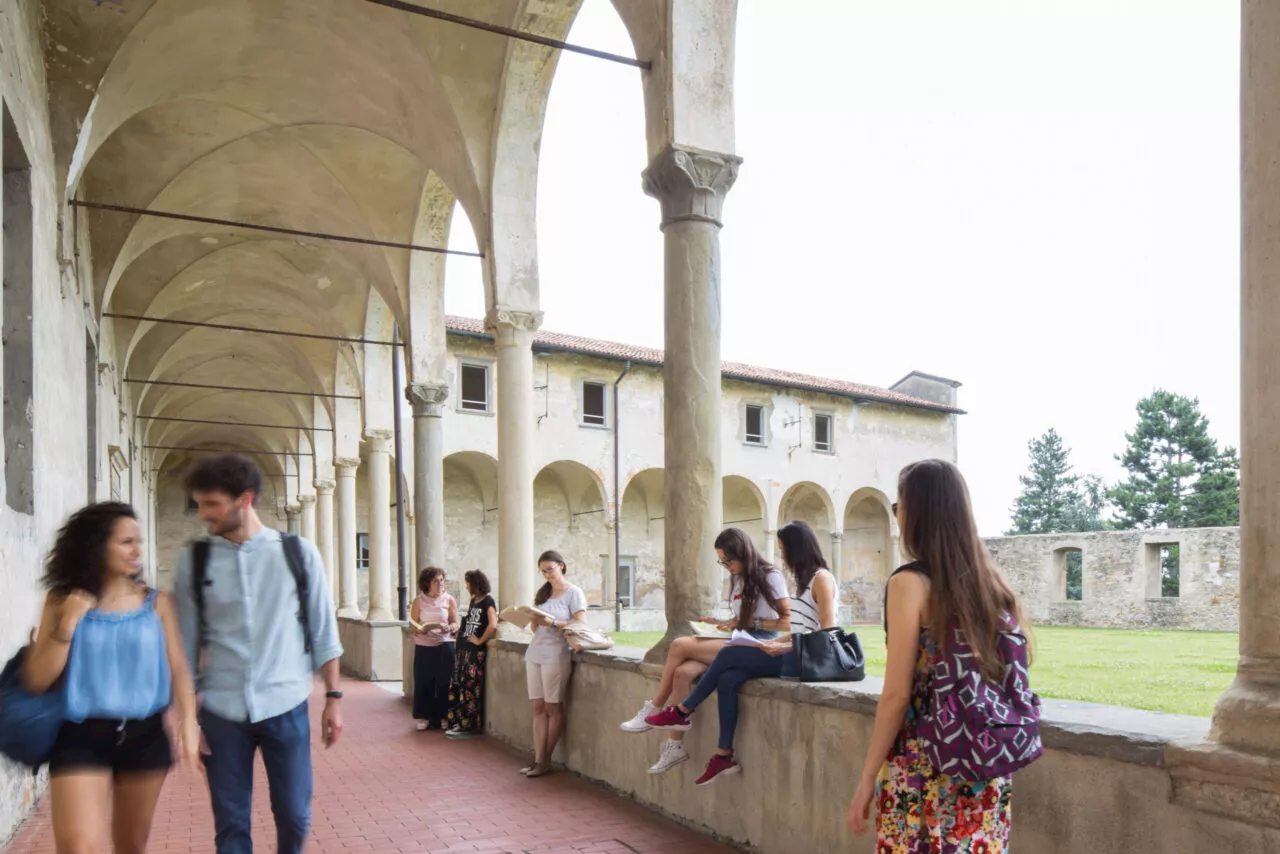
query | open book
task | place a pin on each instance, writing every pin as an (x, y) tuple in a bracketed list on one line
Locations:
[(429, 625), (708, 630), (521, 615)]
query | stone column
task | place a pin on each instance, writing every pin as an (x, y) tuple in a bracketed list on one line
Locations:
[(1237, 772), (292, 516), (324, 532), (691, 187), (837, 554), (378, 478), (771, 546), (308, 522), (428, 402), (513, 332), (348, 589)]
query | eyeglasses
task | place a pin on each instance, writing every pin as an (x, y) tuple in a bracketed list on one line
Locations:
[(725, 562), (546, 569)]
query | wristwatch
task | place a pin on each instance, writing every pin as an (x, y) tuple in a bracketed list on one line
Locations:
[(333, 695)]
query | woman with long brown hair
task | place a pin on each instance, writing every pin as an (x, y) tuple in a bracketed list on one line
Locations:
[(548, 661), (760, 604), (952, 584)]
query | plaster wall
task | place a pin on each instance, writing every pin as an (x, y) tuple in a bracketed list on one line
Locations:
[(1121, 578)]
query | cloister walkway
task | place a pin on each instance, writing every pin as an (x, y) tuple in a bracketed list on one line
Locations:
[(387, 788)]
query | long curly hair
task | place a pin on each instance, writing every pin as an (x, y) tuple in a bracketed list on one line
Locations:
[(75, 562)]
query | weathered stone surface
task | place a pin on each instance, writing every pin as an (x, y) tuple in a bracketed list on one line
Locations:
[(1121, 578)]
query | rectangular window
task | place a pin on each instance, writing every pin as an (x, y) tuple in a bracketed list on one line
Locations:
[(475, 388), (593, 404), (822, 432), (1164, 571), (626, 582), (18, 305), (362, 552), (755, 424)]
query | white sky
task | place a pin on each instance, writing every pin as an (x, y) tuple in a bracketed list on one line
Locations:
[(1039, 199)]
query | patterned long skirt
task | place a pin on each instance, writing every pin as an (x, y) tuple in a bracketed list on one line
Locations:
[(921, 812), (466, 695)]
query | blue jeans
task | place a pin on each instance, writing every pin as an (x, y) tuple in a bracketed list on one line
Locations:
[(285, 741), (734, 665)]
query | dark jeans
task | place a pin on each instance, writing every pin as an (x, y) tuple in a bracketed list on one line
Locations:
[(285, 741), (432, 672), (734, 665)]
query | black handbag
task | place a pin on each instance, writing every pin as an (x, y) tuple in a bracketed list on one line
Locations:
[(829, 655)]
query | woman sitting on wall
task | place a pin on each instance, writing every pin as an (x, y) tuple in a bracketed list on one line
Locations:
[(466, 696), (114, 643), (549, 658), (760, 604), (814, 608)]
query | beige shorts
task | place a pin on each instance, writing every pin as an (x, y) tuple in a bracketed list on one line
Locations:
[(547, 682)]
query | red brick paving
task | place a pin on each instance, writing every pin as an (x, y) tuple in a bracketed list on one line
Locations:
[(388, 788)]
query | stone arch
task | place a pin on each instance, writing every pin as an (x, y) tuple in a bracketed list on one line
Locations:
[(745, 508), (868, 538), (569, 516), (642, 531), (811, 503)]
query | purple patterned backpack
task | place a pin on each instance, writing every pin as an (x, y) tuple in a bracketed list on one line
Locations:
[(976, 729)]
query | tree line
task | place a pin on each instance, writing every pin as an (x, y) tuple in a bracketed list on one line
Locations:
[(1177, 477)]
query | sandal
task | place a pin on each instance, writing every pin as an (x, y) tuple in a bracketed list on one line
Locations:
[(539, 770), (530, 767)]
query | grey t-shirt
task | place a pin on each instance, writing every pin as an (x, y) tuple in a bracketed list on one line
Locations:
[(548, 645)]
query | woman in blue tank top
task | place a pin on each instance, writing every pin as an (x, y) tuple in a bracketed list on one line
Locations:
[(111, 645)]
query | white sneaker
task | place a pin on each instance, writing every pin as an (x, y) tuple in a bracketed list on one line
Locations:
[(637, 723), (420, 726), (673, 753)]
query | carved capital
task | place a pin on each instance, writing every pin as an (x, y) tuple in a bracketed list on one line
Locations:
[(306, 500), (428, 399), (689, 184), (508, 324), (346, 466), (379, 441), (325, 487), (292, 511)]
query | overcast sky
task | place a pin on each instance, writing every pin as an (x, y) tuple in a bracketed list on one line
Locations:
[(1036, 198)]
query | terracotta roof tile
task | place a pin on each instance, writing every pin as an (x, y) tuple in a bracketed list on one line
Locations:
[(545, 341)]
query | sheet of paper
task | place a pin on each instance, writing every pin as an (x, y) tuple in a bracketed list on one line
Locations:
[(741, 638)]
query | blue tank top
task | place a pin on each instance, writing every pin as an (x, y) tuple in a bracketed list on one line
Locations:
[(118, 667)]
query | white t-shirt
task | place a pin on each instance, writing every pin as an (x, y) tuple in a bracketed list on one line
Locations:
[(763, 611), (548, 645)]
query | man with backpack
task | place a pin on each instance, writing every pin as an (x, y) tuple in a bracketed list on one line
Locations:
[(257, 620)]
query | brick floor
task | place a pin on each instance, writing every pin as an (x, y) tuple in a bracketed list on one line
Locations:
[(387, 788)]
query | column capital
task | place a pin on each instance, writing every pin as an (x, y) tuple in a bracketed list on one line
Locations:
[(836, 536), (346, 466), (507, 323), (325, 487), (428, 399), (379, 441), (292, 510), (306, 500), (690, 184)]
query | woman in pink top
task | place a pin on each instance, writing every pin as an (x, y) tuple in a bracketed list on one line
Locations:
[(437, 612)]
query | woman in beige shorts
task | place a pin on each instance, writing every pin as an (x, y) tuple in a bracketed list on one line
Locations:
[(549, 660)]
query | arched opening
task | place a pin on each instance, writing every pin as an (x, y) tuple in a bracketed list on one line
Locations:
[(470, 516), (744, 508), (569, 516), (641, 548), (809, 503), (868, 544)]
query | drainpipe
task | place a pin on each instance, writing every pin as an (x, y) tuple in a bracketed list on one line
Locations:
[(402, 610), (617, 505)]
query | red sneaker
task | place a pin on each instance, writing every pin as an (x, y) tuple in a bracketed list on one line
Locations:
[(719, 766), (669, 718)]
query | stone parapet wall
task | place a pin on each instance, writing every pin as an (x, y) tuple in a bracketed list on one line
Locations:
[(1121, 586), (1102, 786)]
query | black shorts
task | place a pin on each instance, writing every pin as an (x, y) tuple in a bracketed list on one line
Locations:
[(131, 747)]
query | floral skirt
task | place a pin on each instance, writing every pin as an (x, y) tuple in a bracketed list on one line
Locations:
[(466, 694), (920, 812)]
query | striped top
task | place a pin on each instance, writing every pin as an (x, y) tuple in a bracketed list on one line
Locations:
[(804, 609)]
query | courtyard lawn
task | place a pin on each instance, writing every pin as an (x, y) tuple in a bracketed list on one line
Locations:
[(1164, 671)]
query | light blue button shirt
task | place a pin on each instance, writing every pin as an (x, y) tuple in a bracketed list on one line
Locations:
[(256, 666)]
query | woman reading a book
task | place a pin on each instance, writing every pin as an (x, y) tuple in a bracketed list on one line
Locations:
[(549, 659), (434, 617), (466, 695), (760, 605)]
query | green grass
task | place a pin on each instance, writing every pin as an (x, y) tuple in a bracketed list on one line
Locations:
[(1164, 671)]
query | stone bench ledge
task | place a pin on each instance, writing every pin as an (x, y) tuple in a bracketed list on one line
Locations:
[(1127, 735)]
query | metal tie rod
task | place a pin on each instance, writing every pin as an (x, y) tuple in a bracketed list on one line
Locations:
[(244, 389), (274, 229), (233, 423), (143, 318), (510, 33), (226, 451)]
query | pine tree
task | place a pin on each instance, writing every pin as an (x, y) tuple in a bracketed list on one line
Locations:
[(1177, 476), (1054, 500)]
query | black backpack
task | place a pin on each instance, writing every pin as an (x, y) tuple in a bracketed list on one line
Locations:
[(293, 556)]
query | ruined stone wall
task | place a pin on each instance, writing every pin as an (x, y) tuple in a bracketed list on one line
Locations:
[(1120, 573)]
